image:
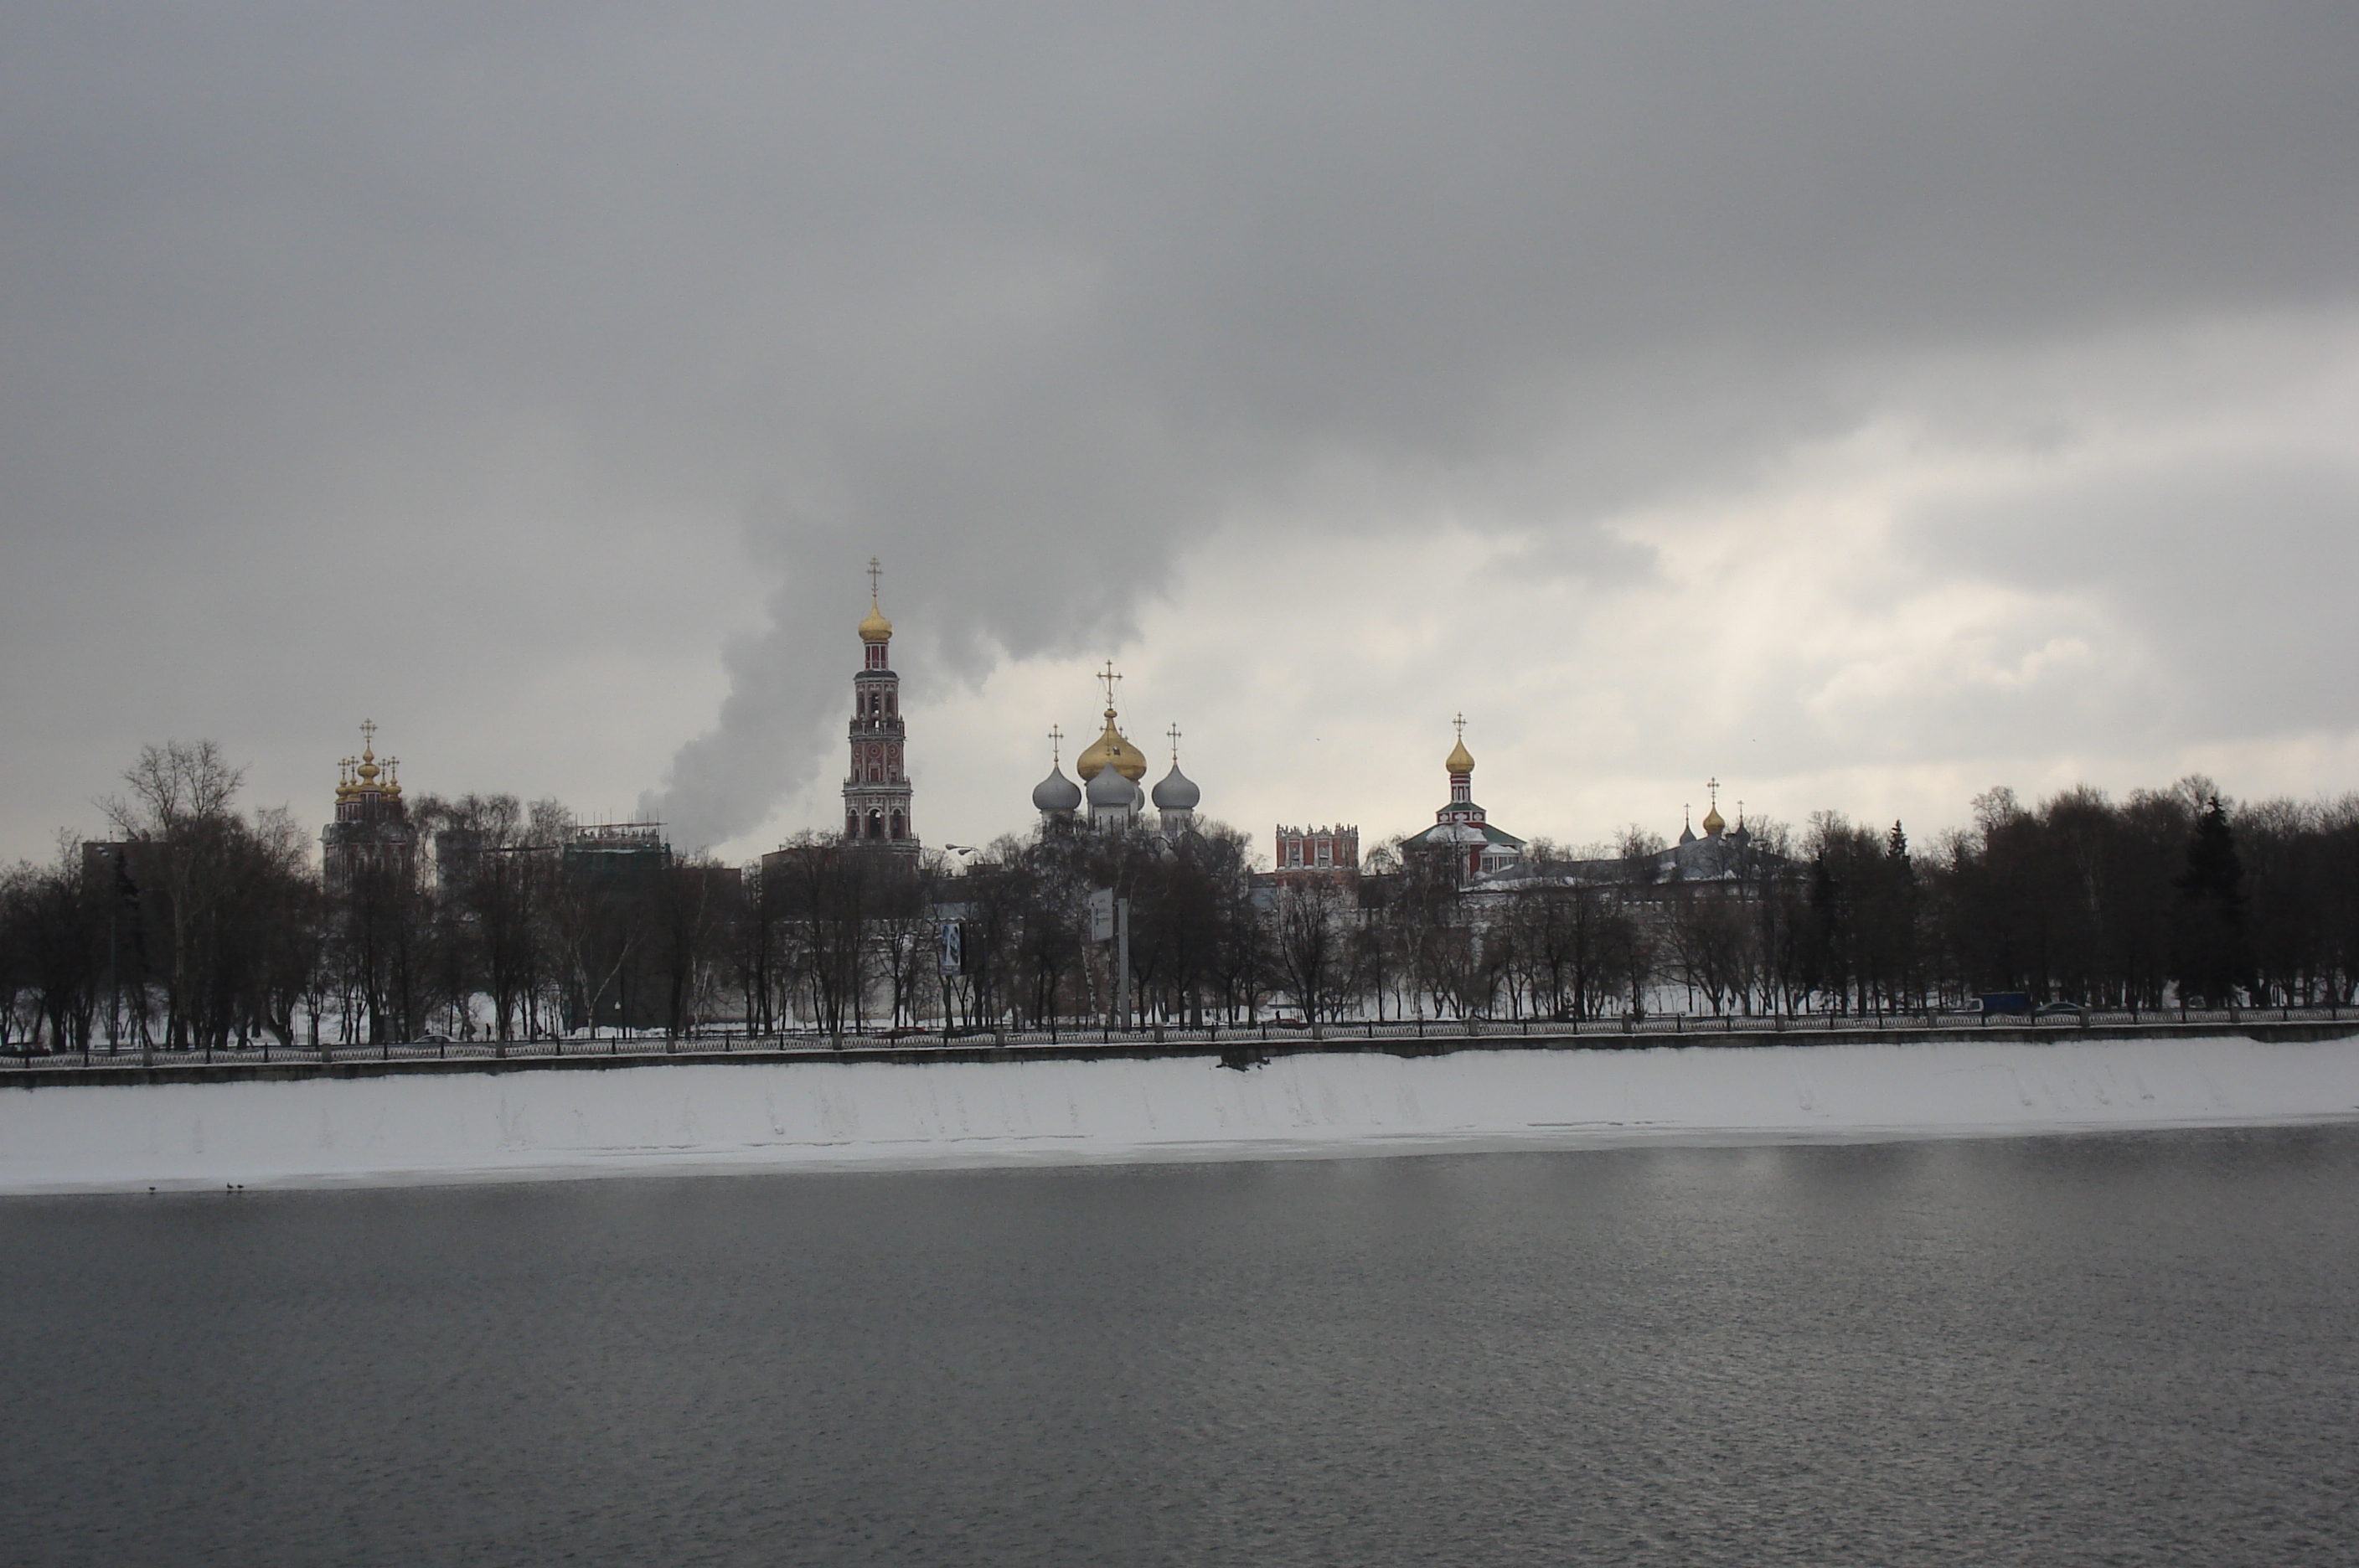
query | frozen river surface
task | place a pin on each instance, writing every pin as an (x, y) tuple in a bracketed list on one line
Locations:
[(2121, 1348)]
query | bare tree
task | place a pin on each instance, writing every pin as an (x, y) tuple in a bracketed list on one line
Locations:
[(828, 891), (694, 901), (1313, 929), (180, 800), (1569, 941), (49, 970), (1710, 935)]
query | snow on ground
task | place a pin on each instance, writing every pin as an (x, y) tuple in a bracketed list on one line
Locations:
[(828, 1115)]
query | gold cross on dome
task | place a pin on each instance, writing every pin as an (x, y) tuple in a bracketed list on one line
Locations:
[(1461, 722), (1174, 733), (1713, 785), (368, 732), (1056, 745), (874, 572), (1111, 681)]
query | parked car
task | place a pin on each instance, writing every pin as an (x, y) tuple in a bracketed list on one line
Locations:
[(2062, 1010)]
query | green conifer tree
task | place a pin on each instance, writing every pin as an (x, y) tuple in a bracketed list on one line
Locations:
[(2211, 952)]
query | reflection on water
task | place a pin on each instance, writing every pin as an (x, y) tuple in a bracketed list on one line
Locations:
[(2127, 1348)]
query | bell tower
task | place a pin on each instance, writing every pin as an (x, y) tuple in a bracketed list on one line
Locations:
[(877, 790)]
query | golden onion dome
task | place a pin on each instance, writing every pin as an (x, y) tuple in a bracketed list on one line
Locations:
[(1712, 822), (876, 629), (1461, 759), (1111, 750)]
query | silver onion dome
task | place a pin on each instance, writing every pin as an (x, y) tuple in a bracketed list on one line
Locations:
[(1055, 793), (1177, 792), (1111, 788)]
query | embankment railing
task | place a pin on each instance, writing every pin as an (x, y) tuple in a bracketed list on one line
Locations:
[(100, 1059)]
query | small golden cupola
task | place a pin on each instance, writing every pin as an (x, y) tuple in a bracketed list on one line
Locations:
[(876, 629), (359, 775), (368, 788), (1461, 764), (1110, 750), (1713, 822)]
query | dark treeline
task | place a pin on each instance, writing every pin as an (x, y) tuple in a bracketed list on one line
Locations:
[(200, 926), (2167, 898)]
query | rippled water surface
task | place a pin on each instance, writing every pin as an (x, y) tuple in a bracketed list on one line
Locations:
[(2123, 1349)]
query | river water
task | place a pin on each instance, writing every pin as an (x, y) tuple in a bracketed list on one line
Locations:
[(2120, 1349)]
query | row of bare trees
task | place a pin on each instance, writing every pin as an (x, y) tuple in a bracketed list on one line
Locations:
[(845, 938), (2166, 896), (198, 925), (2170, 893)]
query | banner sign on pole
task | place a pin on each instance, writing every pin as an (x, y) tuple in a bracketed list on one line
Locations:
[(1102, 915)]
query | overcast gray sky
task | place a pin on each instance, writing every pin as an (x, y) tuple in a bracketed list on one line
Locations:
[(1864, 404)]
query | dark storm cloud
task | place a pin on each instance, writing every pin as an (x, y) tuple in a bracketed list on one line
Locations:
[(1027, 299)]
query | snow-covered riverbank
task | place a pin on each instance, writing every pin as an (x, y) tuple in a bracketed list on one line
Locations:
[(832, 1115)]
